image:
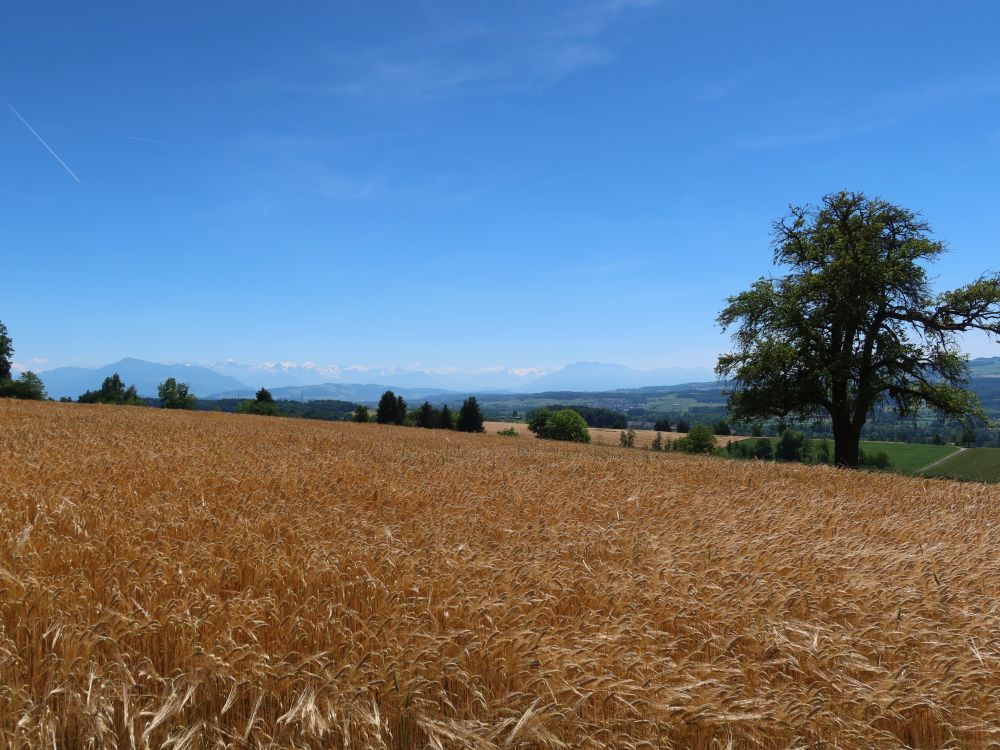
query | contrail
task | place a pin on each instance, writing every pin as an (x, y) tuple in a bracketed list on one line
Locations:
[(155, 142), (42, 141)]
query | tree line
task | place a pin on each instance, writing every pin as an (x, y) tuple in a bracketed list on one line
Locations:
[(392, 410)]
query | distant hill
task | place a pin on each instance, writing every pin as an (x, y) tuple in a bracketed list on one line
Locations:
[(985, 367), (355, 392), (597, 376), (145, 376)]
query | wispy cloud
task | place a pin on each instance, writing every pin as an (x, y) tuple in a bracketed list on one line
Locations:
[(154, 142), (885, 112), (42, 141), (516, 51)]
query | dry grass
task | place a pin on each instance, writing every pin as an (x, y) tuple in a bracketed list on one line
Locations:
[(201, 580), (605, 436)]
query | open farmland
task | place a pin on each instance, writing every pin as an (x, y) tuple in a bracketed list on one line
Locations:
[(195, 580), (607, 436)]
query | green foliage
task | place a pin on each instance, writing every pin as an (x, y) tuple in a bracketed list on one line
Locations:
[(113, 391), (263, 408), (564, 424), (361, 414), (699, 439), (682, 425), (28, 387), (174, 395), (470, 417), (509, 432), (391, 409), (264, 396), (793, 446), (538, 418), (761, 449), (875, 460), (854, 326), (595, 416), (626, 439), (662, 425), (657, 444), (446, 419), (428, 417), (6, 352), (722, 428)]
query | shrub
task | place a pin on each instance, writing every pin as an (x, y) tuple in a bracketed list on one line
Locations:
[(509, 432), (879, 460), (699, 439), (263, 408), (627, 439), (361, 414), (565, 424)]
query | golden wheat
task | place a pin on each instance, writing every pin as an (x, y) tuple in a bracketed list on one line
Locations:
[(205, 580)]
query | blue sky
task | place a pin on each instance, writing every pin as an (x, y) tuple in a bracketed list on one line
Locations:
[(462, 184)]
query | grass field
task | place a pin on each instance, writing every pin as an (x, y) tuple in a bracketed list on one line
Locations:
[(195, 580), (906, 458), (975, 464)]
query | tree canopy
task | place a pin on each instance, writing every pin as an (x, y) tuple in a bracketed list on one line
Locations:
[(6, 352), (176, 395), (391, 409), (563, 424), (113, 391), (853, 327), (470, 417)]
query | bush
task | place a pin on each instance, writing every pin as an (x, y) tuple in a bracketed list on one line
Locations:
[(662, 425), (361, 415), (879, 460), (565, 424), (722, 428), (263, 408), (657, 444), (682, 425), (699, 439), (509, 432), (791, 446), (627, 439)]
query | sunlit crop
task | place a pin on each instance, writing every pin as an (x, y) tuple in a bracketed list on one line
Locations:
[(206, 580)]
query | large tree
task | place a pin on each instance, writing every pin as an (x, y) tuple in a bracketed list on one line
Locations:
[(6, 352), (853, 327), (470, 416)]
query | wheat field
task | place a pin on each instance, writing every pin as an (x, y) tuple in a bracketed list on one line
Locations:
[(181, 580)]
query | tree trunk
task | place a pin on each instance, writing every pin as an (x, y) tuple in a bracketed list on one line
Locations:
[(846, 449)]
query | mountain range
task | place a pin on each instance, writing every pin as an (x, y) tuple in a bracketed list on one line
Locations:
[(297, 382), (306, 382)]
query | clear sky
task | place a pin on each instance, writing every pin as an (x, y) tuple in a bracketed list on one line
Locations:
[(461, 184)]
